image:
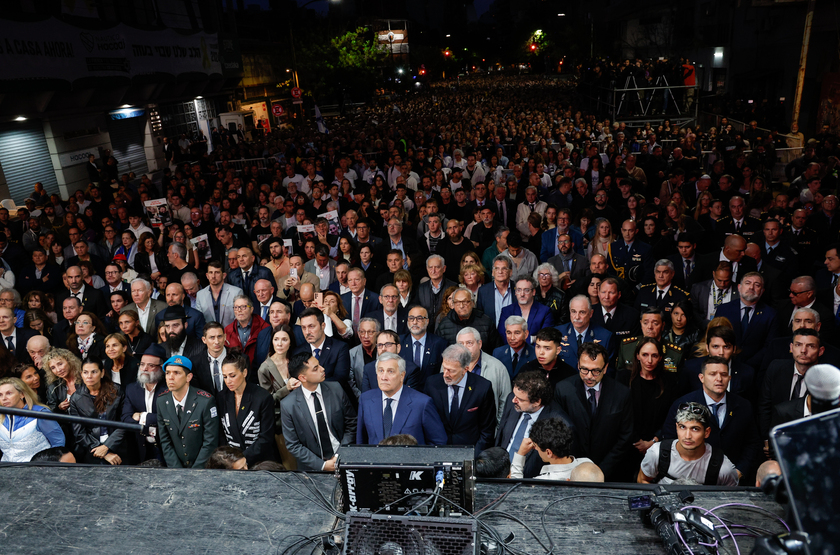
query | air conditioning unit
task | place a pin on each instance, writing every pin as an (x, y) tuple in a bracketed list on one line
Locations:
[(371, 534)]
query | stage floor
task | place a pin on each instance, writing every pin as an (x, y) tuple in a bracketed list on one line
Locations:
[(138, 511)]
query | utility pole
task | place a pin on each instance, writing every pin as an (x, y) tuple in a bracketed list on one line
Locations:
[(803, 58)]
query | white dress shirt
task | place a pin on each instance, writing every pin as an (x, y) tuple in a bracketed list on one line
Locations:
[(310, 403), (395, 401)]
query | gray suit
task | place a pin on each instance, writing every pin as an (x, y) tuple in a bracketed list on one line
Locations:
[(357, 367), (493, 370), (700, 301), (204, 303), (312, 268), (155, 306), (301, 432)]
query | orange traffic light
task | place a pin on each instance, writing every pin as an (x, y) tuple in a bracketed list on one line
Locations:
[(533, 47)]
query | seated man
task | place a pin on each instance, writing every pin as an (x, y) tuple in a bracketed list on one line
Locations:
[(689, 457), (552, 439)]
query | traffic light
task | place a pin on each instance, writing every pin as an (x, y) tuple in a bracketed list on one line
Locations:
[(533, 47), (447, 53), (422, 72)]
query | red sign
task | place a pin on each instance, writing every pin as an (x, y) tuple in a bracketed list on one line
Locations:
[(277, 110), (296, 92)]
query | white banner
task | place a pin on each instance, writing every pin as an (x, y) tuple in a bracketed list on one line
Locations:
[(63, 51), (76, 157)]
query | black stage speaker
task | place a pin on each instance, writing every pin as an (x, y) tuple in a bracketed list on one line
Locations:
[(368, 534), (377, 478)]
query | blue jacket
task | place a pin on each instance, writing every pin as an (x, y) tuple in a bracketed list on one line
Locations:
[(503, 355), (540, 317), (435, 346), (257, 273), (569, 352), (486, 300), (415, 415), (639, 254), (549, 243)]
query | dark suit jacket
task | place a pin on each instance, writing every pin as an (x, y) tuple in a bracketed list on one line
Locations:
[(624, 323), (788, 411), (143, 264), (106, 291), (135, 401), (827, 329), (195, 322), (26, 280), (774, 390), (507, 427), (415, 415), (700, 300), (257, 273), (605, 438), (580, 267), (22, 335), (93, 301), (370, 303), (738, 437), (194, 349), (679, 270), (301, 432), (486, 302), (426, 298), (60, 332), (414, 377), (335, 358), (540, 317), (431, 356), (502, 354), (569, 352), (706, 264), (762, 330), (402, 319), (780, 350), (475, 421), (743, 377)]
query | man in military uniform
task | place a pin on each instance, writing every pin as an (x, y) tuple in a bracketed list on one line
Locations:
[(652, 326), (803, 240), (630, 259), (737, 223), (663, 294), (188, 422)]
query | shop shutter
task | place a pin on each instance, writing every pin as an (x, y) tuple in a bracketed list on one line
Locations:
[(25, 159)]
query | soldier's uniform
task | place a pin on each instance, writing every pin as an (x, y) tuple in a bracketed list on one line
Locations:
[(627, 354), (751, 229), (633, 264), (187, 441), (648, 294)]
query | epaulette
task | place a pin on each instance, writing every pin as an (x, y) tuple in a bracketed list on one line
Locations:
[(675, 347), (682, 290), (753, 218), (204, 394), (724, 220), (164, 392), (629, 339), (648, 285)]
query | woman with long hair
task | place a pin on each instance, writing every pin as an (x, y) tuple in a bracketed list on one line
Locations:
[(336, 318), (120, 365), (150, 259), (38, 320), (652, 392), (98, 397), (29, 374), (683, 332), (704, 204), (40, 300), (246, 411), (22, 437), (347, 251), (63, 370), (87, 341), (405, 285), (138, 340), (604, 236), (274, 377), (446, 305)]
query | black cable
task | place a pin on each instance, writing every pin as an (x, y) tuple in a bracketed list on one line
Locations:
[(307, 497), (312, 488), (509, 516), (499, 500), (308, 539), (545, 512)]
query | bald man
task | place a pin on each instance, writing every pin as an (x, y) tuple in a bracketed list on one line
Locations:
[(734, 252)]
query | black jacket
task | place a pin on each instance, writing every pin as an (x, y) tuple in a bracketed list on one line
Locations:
[(87, 437), (450, 325), (475, 421), (251, 430)]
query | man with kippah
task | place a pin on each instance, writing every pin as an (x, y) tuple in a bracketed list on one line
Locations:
[(188, 422)]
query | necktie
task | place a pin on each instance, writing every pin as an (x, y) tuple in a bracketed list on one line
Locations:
[(217, 376), (687, 268), (797, 387), (502, 211), (418, 353), (357, 314), (453, 406), (247, 282), (323, 432), (607, 319), (737, 226), (387, 419), (718, 297), (593, 401), (714, 408), (515, 361), (519, 436), (179, 412), (11, 344), (770, 251), (659, 294), (579, 341), (317, 354), (834, 280), (265, 313), (532, 206), (745, 321)]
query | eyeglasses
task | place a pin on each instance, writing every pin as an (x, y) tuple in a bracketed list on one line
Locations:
[(543, 275), (595, 373), (521, 290), (241, 307), (416, 318), (389, 297), (388, 345), (462, 303)]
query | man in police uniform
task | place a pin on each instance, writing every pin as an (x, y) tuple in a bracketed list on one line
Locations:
[(188, 422), (630, 259), (738, 223), (803, 240), (652, 326), (663, 294)]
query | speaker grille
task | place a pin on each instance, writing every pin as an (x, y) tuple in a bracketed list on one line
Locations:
[(368, 534)]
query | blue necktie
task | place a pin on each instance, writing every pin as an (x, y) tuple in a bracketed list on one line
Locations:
[(317, 354), (387, 419), (418, 353), (265, 313), (519, 436), (453, 407), (745, 321), (714, 408)]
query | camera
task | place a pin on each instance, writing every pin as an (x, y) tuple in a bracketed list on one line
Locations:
[(683, 531)]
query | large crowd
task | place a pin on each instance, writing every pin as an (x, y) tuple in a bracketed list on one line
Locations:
[(478, 264)]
